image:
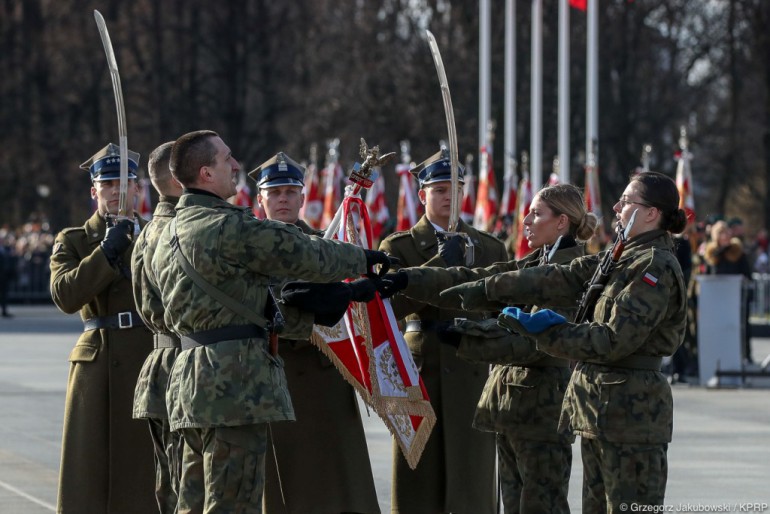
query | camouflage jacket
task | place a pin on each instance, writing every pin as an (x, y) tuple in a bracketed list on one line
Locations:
[(235, 382), (150, 392), (641, 312)]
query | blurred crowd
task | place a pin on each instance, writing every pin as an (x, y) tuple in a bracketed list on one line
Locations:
[(24, 256)]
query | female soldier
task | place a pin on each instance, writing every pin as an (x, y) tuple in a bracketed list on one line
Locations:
[(523, 396), (617, 400)]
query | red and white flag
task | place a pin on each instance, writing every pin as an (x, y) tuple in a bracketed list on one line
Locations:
[(242, 196), (510, 196), (486, 195), (333, 176), (378, 208), (525, 199), (314, 202), (684, 183), (468, 203), (409, 207), (592, 197), (579, 4), (144, 201), (554, 179), (372, 355)]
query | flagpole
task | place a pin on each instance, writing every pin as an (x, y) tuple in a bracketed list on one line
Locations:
[(536, 120), (564, 108), (592, 86), (484, 72), (510, 88)]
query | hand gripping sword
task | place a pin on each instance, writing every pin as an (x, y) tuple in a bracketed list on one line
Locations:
[(454, 206), (123, 139)]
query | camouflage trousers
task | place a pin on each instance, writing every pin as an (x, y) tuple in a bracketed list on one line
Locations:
[(168, 464), (534, 475), (223, 470), (615, 476)]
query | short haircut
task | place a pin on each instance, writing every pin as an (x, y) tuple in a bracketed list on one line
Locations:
[(190, 153), (158, 165)]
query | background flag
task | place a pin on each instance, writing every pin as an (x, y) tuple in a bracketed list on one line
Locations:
[(407, 199), (314, 203), (525, 198), (378, 207), (468, 204), (144, 201), (486, 195), (684, 177)]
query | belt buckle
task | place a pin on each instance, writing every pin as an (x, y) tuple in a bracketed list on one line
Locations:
[(125, 320)]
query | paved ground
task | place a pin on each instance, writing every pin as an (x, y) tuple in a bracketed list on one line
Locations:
[(719, 459)]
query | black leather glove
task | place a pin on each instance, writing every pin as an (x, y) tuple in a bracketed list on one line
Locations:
[(448, 336), (327, 302), (376, 257), (117, 239), (363, 289), (451, 248), (392, 283)]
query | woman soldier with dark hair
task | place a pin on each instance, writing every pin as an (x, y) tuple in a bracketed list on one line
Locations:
[(617, 400)]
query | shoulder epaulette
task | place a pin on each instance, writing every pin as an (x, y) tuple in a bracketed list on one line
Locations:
[(72, 229), (397, 235)]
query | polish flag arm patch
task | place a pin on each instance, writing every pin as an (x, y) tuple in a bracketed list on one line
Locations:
[(650, 279)]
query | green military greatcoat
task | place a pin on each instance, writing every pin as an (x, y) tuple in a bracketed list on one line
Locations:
[(106, 464), (322, 458), (456, 470)]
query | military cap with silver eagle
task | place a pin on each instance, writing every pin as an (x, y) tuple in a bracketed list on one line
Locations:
[(436, 168), (279, 170), (105, 164)]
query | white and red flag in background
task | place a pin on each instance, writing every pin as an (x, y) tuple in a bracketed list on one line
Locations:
[(525, 199), (486, 194), (144, 201), (684, 178), (378, 208), (314, 202), (409, 208), (468, 203)]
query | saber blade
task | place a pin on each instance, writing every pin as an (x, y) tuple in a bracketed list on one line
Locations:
[(121, 111), (454, 208)]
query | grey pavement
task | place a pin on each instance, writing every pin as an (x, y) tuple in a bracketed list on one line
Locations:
[(719, 458)]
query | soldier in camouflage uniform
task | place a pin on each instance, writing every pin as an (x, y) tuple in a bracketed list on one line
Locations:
[(106, 461), (522, 398), (320, 463), (150, 393), (456, 470), (226, 384), (617, 401)]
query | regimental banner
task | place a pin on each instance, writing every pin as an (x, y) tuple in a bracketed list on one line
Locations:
[(372, 355)]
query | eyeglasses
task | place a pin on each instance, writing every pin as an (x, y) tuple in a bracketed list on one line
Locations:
[(623, 202)]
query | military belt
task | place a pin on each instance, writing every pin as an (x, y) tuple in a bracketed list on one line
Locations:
[(121, 320), (417, 325), (215, 335), (548, 362), (165, 340), (647, 362)]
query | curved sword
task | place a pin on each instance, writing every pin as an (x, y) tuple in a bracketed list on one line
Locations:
[(123, 139), (454, 210)]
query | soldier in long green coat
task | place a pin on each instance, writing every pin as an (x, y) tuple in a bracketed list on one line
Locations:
[(456, 472), (227, 384), (617, 401), (150, 393), (522, 398), (106, 463), (320, 463)]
